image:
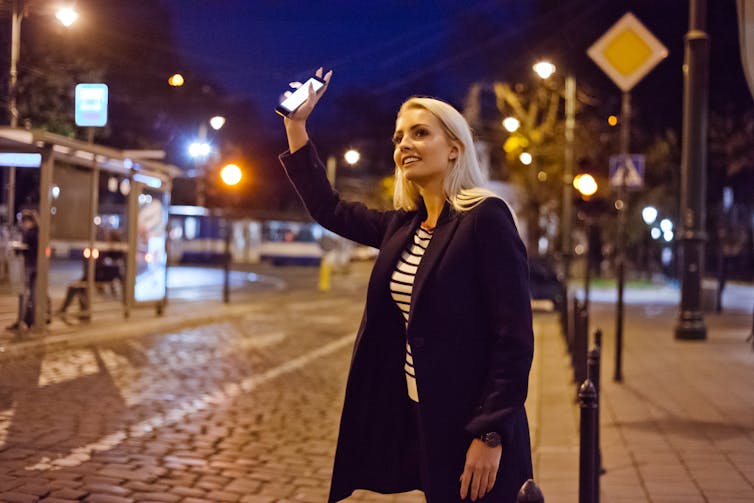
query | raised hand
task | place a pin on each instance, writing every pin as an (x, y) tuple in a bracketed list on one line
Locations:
[(303, 112)]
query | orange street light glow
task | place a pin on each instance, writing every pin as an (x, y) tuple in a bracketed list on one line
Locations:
[(585, 184), (67, 16), (231, 174), (176, 80), (612, 120)]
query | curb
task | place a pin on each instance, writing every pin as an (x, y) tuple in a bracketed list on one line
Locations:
[(97, 334)]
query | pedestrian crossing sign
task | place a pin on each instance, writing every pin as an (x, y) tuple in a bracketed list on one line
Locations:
[(627, 171)]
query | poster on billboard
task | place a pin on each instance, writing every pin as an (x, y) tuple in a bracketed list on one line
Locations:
[(151, 257)]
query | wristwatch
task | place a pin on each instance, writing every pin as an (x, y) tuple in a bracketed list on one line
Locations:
[(491, 439)]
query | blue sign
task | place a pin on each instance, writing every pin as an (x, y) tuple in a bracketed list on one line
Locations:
[(627, 171), (91, 105)]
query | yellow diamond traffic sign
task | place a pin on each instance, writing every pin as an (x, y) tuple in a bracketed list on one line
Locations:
[(627, 52)]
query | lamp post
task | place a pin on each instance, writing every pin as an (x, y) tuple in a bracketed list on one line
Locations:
[(693, 173), (199, 150), (545, 69), (231, 175), (587, 187), (351, 157), (67, 16)]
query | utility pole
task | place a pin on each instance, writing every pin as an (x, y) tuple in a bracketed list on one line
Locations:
[(567, 215), (693, 173), (15, 52)]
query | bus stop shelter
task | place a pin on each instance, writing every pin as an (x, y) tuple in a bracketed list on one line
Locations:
[(147, 185)]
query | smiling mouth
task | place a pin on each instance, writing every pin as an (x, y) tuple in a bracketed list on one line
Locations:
[(410, 160)]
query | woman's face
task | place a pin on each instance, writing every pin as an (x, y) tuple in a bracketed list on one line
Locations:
[(422, 148)]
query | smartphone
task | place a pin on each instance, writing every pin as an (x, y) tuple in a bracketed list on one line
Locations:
[(299, 96)]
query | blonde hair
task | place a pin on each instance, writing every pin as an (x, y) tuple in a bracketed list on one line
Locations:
[(463, 184)]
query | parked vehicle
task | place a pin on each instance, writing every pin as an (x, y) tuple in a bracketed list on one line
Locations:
[(547, 290)]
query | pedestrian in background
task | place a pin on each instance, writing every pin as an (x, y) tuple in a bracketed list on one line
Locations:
[(30, 245), (439, 373)]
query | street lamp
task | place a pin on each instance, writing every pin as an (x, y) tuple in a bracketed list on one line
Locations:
[(176, 80), (525, 158), (586, 185), (67, 17), (649, 214), (511, 124), (545, 69), (352, 156), (231, 174), (217, 122)]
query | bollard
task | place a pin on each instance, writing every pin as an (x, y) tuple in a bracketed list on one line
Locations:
[(593, 374), (580, 343), (530, 493), (587, 451), (324, 275)]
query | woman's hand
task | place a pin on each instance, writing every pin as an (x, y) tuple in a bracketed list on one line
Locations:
[(480, 470), (303, 112), (295, 124)]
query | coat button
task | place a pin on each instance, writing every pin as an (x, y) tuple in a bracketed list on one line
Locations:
[(417, 342)]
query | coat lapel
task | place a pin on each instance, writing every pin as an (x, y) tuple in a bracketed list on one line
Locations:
[(388, 257), (446, 227)]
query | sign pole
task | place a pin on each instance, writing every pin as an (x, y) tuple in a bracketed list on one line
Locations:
[(620, 256)]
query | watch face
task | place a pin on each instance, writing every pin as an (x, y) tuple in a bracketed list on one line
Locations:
[(491, 439)]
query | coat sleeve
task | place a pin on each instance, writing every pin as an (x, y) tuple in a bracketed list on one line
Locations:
[(503, 274), (352, 220)]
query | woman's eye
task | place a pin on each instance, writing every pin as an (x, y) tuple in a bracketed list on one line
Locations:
[(396, 140), (420, 132)]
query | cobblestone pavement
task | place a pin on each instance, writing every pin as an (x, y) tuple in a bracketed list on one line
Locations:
[(246, 410)]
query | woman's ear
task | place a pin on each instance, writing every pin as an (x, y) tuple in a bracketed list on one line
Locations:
[(454, 150)]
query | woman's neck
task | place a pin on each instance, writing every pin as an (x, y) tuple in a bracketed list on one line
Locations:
[(434, 203)]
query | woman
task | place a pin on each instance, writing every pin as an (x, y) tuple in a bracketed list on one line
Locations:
[(439, 375)]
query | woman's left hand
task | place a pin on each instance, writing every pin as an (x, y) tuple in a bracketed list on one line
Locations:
[(480, 470)]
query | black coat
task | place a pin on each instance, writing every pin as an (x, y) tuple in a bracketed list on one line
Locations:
[(471, 336)]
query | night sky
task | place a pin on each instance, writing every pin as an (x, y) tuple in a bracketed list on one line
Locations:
[(393, 49)]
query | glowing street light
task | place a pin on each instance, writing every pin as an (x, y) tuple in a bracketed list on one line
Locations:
[(525, 158), (199, 149), (585, 184), (67, 16), (231, 174), (217, 122), (511, 124), (666, 225), (544, 69), (352, 156), (649, 214), (176, 80)]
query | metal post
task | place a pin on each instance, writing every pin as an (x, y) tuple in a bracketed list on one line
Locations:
[(593, 374), (620, 257), (570, 123), (226, 261), (93, 206), (588, 271), (43, 243), (587, 469), (15, 52), (693, 173)]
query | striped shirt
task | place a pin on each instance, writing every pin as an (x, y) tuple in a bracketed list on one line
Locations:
[(401, 285)]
